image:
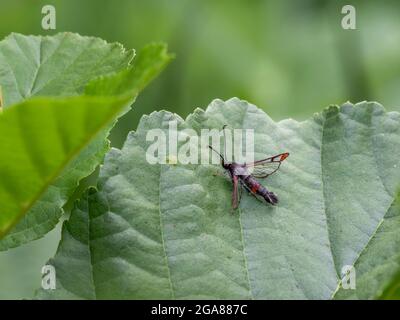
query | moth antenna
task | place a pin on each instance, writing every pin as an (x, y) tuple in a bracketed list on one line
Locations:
[(222, 158)]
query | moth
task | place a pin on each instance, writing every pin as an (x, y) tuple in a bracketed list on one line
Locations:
[(242, 177)]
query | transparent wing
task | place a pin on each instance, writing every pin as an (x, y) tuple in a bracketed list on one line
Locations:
[(264, 170), (265, 167)]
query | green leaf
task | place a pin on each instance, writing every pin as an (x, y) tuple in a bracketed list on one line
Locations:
[(39, 137), (167, 231), (392, 290), (51, 129), (59, 65), (150, 61)]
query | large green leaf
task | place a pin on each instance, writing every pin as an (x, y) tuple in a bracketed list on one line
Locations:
[(52, 187), (59, 65), (167, 231)]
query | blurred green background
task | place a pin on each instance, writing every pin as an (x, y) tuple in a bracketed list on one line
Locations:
[(290, 57)]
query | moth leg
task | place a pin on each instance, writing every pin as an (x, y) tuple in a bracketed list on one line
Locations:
[(247, 189), (241, 186), (235, 193)]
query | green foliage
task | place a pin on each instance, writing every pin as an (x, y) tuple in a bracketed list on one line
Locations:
[(50, 143), (392, 291), (61, 65), (166, 231), (39, 138)]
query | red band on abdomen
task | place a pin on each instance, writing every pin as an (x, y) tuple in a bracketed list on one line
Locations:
[(255, 187)]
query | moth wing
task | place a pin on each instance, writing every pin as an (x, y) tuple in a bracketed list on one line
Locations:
[(265, 167)]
